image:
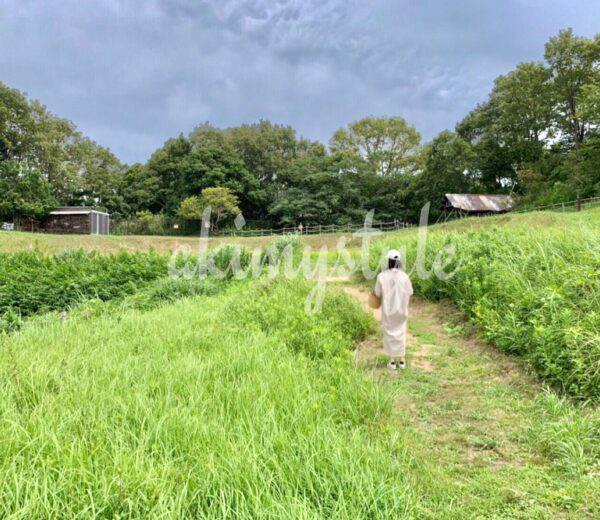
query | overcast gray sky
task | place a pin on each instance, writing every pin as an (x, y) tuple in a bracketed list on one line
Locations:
[(131, 74)]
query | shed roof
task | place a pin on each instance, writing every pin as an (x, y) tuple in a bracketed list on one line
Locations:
[(480, 203), (75, 210)]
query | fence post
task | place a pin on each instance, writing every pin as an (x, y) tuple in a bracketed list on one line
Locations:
[(578, 202)]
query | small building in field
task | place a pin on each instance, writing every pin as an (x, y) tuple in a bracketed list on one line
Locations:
[(76, 220), (464, 204)]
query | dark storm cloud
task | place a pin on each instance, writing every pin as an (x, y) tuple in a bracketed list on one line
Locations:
[(131, 74)]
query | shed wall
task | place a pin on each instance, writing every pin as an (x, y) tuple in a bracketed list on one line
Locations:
[(75, 224)]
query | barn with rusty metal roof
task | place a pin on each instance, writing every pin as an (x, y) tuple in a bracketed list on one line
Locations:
[(465, 204)]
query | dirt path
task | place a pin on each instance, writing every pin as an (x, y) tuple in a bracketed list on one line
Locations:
[(472, 409), (370, 351), (432, 339)]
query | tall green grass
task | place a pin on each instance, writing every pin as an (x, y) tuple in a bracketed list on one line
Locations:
[(532, 292), (237, 405)]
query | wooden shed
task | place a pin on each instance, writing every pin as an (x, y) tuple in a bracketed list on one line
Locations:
[(465, 204), (77, 220)]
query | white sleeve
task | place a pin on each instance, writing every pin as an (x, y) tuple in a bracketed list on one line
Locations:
[(377, 289)]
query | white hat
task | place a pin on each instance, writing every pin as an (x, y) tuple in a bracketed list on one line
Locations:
[(393, 254)]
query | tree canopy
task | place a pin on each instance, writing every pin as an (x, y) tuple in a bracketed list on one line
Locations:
[(221, 202), (537, 135)]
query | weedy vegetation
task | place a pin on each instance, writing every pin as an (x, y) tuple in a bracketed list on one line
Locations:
[(128, 394), (532, 291)]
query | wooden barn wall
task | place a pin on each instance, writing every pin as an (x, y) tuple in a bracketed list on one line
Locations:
[(77, 224)]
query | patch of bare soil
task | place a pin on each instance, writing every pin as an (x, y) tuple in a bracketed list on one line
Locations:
[(421, 358)]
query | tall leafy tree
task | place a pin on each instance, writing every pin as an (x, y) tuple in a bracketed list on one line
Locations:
[(574, 62), (139, 188), (494, 162), (168, 164), (102, 179), (448, 168), (17, 126), (389, 144), (522, 102), (221, 201), (24, 192), (314, 190)]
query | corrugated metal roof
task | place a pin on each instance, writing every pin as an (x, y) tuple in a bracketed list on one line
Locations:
[(480, 203), (75, 211)]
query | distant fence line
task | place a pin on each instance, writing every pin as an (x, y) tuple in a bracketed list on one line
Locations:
[(176, 227), (573, 205), (318, 229), (170, 226)]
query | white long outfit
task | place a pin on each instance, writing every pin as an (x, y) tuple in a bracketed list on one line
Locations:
[(394, 288)]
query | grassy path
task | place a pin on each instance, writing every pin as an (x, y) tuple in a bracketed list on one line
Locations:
[(477, 424)]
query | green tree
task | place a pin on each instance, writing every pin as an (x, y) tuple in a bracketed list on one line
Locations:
[(221, 201), (314, 190), (448, 169), (574, 63), (191, 208), (59, 151), (579, 171), (168, 164), (139, 188), (17, 126), (211, 166), (494, 164), (102, 178), (24, 192), (389, 144), (522, 102), (589, 104)]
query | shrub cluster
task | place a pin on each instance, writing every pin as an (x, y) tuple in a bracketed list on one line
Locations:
[(278, 307), (31, 282)]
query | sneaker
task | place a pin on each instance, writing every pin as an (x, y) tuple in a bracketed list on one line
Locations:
[(401, 364), (392, 365)]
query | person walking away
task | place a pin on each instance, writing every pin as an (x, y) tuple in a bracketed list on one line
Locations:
[(394, 288)]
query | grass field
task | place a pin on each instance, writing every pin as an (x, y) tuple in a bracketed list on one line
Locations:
[(11, 241), (236, 404)]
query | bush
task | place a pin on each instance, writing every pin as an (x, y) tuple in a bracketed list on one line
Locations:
[(10, 322), (146, 223), (230, 259), (278, 307), (569, 436), (167, 290), (287, 244), (33, 283)]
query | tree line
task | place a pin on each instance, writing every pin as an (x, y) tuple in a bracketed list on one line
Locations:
[(536, 136)]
